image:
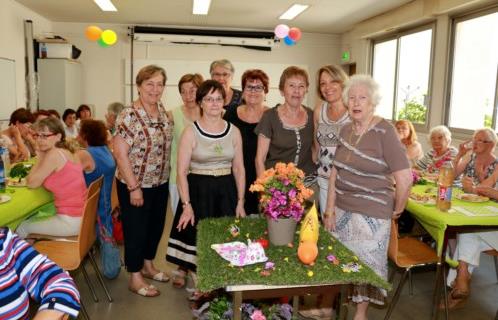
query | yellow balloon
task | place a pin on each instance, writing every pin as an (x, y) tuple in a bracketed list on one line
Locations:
[(109, 37), (93, 33)]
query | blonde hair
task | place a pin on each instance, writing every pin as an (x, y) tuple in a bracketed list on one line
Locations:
[(55, 126), (412, 136), (335, 72)]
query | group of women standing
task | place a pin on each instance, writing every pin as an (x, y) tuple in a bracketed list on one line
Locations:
[(222, 139)]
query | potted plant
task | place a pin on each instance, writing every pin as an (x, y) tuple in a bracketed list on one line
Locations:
[(283, 194)]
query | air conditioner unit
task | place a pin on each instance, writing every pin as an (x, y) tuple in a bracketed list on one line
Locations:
[(248, 39)]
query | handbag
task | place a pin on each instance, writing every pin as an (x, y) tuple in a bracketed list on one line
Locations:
[(117, 225), (110, 256)]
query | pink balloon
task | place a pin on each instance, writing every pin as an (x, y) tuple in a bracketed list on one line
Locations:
[(295, 33), (281, 31)]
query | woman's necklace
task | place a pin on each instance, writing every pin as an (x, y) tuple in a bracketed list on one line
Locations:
[(159, 124), (358, 139)]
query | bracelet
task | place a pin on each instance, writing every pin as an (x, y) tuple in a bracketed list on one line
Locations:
[(135, 187), (328, 213), (186, 203)]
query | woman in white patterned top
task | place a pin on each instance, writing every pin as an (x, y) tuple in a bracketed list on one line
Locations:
[(328, 118), (142, 150)]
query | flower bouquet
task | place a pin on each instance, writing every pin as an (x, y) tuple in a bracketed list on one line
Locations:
[(282, 200)]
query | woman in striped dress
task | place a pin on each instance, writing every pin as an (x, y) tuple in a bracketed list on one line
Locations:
[(362, 199)]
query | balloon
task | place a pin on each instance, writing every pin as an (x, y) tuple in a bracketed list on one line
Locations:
[(281, 31), (109, 37), (102, 43), (92, 33), (288, 41), (295, 33)]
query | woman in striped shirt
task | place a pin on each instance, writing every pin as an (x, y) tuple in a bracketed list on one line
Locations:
[(24, 274), (362, 199)]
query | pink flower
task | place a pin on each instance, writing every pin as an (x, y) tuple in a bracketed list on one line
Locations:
[(258, 315)]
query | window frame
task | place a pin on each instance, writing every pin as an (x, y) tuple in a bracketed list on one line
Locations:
[(461, 133), (419, 127)]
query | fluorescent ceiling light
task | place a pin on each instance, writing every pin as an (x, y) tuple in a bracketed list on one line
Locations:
[(105, 5), (201, 6), (293, 11)]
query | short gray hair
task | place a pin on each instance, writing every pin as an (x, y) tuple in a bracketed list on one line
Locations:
[(362, 80), (225, 63), (443, 130), (489, 133), (115, 108)]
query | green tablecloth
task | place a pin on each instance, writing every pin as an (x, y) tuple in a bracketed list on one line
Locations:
[(24, 202), (436, 221), (214, 272)]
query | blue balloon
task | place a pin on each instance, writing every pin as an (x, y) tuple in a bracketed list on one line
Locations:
[(288, 41)]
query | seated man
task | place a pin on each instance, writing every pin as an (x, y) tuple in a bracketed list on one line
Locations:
[(24, 274), (467, 253)]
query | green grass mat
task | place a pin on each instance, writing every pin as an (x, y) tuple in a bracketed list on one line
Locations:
[(214, 272)]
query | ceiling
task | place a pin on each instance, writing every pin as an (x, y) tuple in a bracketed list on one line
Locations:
[(323, 16)]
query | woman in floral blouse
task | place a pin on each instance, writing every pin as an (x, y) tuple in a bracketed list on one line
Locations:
[(142, 149)]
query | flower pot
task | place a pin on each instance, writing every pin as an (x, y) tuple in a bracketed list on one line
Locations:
[(281, 231)]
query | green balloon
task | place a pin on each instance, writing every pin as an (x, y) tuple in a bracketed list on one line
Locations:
[(102, 43)]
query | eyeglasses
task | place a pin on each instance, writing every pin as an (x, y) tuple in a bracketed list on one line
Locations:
[(43, 136), (257, 88), (213, 100), (156, 125), (482, 141), (220, 75)]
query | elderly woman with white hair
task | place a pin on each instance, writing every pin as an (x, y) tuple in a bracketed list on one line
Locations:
[(441, 152), (222, 71), (369, 161)]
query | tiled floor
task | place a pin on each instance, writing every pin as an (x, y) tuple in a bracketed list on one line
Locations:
[(172, 303)]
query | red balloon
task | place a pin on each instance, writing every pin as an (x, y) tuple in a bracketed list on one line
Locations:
[(295, 33)]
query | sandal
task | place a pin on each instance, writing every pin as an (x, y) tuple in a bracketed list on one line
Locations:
[(461, 290), (160, 276), (453, 303), (179, 279), (148, 292)]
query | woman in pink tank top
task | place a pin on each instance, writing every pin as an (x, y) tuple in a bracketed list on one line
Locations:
[(60, 172)]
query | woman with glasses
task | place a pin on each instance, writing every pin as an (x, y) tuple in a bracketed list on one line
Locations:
[(142, 149), (210, 177), (478, 166), (246, 117), (285, 133), (222, 71), (183, 116), (60, 172)]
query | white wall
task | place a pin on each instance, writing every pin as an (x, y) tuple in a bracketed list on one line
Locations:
[(12, 16), (103, 68)]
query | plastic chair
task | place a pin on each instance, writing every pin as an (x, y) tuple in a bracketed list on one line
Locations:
[(70, 253), (407, 253)]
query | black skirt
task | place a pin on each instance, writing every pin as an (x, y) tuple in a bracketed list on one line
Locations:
[(210, 197)]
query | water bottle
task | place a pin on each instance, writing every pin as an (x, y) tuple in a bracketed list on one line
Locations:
[(444, 186), (2, 171), (6, 161)]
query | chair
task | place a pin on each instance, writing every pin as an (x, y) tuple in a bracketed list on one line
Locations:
[(494, 254), (407, 253), (70, 253)]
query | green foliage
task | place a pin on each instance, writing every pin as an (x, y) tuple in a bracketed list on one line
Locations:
[(413, 111), (488, 120), (20, 170)]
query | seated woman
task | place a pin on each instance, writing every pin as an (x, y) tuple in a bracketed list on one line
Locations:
[(60, 172), (477, 168), (97, 161), (70, 127), (441, 152), (408, 136), (18, 136), (28, 274)]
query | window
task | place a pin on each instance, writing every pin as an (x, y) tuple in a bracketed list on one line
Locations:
[(472, 100), (402, 67)]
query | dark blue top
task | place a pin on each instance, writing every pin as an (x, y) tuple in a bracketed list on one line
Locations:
[(106, 166)]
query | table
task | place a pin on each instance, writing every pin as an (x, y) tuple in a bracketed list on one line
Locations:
[(445, 225), (290, 277), (24, 202)]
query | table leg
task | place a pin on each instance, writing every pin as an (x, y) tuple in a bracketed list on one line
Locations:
[(237, 304), (445, 292), (343, 309), (295, 304), (437, 291)]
